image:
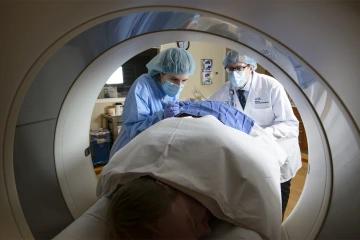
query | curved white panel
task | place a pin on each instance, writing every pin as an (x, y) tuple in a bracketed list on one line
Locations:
[(321, 33)]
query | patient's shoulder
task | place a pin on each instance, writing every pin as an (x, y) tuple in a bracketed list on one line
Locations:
[(224, 230)]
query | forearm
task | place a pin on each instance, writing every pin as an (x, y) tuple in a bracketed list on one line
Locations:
[(144, 124)]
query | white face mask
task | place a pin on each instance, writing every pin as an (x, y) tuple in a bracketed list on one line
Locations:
[(237, 79)]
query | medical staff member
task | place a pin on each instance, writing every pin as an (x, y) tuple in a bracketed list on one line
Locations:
[(264, 99), (154, 96)]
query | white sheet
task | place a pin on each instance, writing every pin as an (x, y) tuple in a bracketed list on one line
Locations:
[(262, 135), (234, 175)]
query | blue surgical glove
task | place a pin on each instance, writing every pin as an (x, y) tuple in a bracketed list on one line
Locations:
[(183, 103), (171, 109)]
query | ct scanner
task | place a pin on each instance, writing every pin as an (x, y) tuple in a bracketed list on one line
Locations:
[(56, 56)]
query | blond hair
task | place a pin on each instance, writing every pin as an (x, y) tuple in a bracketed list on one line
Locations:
[(136, 207)]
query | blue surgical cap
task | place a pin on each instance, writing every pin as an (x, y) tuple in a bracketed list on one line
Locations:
[(235, 57), (172, 61), (225, 113)]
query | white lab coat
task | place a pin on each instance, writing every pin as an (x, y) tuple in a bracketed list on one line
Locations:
[(217, 165), (268, 104)]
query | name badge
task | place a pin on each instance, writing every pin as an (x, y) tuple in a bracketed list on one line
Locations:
[(258, 100)]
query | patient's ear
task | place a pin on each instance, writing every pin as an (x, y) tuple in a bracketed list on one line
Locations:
[(163, 184)]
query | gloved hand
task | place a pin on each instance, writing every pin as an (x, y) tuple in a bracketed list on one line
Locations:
[(183, 103), (171, 109)]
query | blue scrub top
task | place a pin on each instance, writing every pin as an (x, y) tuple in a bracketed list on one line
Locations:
[(144, 106)]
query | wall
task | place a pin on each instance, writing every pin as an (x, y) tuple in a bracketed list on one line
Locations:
[(260, 69), (101, 107), (201, 50)]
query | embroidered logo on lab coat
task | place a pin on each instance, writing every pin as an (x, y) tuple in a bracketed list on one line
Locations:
[(258, 101)]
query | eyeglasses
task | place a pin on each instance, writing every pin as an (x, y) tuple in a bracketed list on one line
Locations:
[(238, 68)]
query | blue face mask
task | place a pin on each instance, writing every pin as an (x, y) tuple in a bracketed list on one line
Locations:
[(237, 79), (171, 89)]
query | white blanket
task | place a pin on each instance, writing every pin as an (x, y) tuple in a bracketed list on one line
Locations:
[(234, 175)]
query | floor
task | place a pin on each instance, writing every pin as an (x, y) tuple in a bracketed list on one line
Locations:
[(98, 169), (297, 183)]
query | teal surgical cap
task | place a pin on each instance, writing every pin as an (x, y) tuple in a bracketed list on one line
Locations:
[(235, 57), (172, 61)]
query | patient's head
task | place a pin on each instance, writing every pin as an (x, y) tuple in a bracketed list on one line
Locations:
[(146, 208)]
